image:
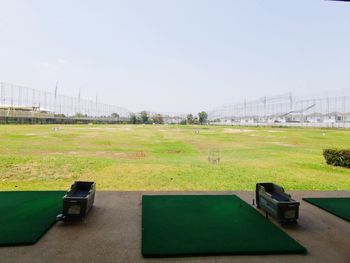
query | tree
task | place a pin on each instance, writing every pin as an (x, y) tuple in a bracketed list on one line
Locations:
[(158, 118), (132, 118), (189, 119), (115, 115), (202, 116), (61, 115), (80, 115), (144, 117)]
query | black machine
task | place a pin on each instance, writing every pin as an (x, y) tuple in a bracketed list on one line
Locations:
[(78, 201), (276, 202)]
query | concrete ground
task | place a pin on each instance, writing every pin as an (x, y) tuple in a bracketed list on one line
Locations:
[(111, 233)]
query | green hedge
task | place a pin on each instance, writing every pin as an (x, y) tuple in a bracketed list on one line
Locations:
[(337, 157)]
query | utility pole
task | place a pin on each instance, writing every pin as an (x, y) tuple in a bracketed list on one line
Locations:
[(344, 108), (265, 107), (79, 103), (328, 113), (56, 87), (96, 104), (2, 95)]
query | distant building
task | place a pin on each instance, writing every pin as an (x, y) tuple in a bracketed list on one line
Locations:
[(24, 112)]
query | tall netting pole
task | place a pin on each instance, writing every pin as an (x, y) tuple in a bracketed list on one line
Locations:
[(2, 94), (344, 110)]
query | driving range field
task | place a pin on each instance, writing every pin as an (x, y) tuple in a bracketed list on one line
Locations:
[(168, 157)]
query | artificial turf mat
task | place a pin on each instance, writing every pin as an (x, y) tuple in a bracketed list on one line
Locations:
[(339, 206), (179, 225), (26, 215)]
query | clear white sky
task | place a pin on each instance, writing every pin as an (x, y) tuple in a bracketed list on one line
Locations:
[(176, 55)]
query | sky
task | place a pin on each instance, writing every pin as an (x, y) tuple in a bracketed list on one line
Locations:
[(176, 55)]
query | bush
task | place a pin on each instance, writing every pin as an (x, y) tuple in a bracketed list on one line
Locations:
[(337, 157)]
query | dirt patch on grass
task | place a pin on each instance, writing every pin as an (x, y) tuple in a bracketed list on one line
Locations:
[(33, 171), (126, 129), (283, 144), (274, 131), (104, 154), (95, 128), (237, 130), (119, 155), (42, 134)]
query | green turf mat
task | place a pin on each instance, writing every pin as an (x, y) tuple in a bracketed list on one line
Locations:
[(179, 225), (339, 206), (26, 215)]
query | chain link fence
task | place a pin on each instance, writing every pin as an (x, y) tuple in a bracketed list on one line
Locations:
[(288, 110), (18, 100)]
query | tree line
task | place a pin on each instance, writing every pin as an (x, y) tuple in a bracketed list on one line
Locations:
[(144, 118)]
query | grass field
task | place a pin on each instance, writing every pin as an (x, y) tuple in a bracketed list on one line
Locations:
[(159, 157)]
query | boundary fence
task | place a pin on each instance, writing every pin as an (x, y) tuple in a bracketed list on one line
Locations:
[(287, 110), (22, 104)]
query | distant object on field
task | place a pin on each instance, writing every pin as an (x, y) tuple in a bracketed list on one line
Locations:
[(214, 156)]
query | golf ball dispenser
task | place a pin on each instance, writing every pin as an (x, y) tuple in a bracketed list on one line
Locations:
[(276, 202), (78, 201)]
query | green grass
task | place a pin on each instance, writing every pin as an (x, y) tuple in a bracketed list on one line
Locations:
[(159, 157)]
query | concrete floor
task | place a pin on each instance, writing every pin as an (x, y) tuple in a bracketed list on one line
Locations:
[(111, 233)]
